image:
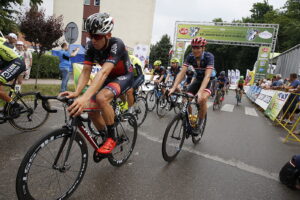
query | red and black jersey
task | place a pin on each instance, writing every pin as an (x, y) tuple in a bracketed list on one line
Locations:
[(114, 53)]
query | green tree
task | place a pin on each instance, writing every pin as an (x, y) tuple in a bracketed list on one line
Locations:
[(160, 51), (43, 32), (259, 10), (7, 19)]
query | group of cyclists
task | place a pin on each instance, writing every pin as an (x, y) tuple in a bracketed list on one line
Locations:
[(122, 74)]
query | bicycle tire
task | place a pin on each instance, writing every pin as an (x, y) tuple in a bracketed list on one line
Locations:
[(165, 154), (32, 111), (125, 117), (216, 103), (151, 100), (138, 111), (196, 139), (28, 165), (162, 106)]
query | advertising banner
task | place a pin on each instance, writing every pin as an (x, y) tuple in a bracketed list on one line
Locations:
[(264, 98), (262, 64), (226, 32), (253, 93), (233, 80), (276, 104), (179, 51), (141, 51)]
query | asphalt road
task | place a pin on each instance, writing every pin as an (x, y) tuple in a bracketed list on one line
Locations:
[(239, 157)]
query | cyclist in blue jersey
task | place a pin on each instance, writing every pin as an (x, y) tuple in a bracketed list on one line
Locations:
[(173, 71), (222, 81), (203, 63)]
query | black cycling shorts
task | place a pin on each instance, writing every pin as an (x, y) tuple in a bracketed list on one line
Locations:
[(188, 80), (195, 86), (220, 86), (117, 86), (241, 87), (138, 81), (11, 70)]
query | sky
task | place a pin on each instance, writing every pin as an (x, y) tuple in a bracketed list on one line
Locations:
[(167, 12)]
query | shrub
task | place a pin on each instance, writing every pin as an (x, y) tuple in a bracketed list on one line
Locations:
[(48, 66)]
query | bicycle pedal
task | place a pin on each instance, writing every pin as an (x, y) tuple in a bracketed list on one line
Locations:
[(97, 157)]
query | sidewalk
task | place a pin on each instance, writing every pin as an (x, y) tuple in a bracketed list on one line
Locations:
[(46, 81)]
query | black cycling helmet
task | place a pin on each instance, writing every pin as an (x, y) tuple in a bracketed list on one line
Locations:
[(99, 23), (222, 73)]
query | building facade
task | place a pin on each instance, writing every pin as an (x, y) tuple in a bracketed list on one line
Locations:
[(133, 18)]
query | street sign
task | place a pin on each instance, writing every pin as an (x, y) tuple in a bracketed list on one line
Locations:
[(71, 32)]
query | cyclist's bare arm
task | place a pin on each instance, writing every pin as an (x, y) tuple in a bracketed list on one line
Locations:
[(99, 80), (78, 105), (205, 80), (180, 77), (167, 78), (82, 81)]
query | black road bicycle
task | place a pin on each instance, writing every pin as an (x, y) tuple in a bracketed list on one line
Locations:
[(182, 126), (32, 113), (55, 165)]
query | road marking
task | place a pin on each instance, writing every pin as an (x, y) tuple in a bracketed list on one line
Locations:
[(234, 163), (250, 111), (227, 108)]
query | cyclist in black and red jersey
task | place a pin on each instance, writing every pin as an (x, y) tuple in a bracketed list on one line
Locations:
[(203, 63), (115, 77)]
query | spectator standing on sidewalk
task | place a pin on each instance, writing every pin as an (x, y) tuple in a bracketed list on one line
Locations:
[(11, 40), (65, 65), (28, 61), (277, 83), (20, 51)]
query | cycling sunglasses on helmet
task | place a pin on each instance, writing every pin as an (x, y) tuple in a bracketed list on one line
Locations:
[(96, 37)]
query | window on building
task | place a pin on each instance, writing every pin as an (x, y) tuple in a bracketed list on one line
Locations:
[(87, 2), (97, 2)]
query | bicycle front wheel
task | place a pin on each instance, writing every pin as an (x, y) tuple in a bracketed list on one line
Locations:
[(32, 115), (126, 132), (173, 138), (151, 100), (43, 174), (162, 106), (140, 110)]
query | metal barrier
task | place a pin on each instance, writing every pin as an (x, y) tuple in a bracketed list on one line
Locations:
[(288, 114)]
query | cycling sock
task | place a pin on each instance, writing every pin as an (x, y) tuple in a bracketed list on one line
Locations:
[(111, 131)]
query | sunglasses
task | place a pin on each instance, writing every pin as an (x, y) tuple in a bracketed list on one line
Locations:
[(97, 37), (196, 47)]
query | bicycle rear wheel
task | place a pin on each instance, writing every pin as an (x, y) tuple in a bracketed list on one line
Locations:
[(151, 100), (32, 115), (162, 106), (173, 138), (126, 132), (40, 178), (140, 110)]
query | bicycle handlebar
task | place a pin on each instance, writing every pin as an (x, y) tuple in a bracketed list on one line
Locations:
[(59, 98)]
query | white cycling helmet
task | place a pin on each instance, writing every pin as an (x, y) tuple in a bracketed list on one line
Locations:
[(99, 23)]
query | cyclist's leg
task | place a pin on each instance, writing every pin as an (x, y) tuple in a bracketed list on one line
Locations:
[(193, 89), (103, 99), (130, 99), (4, 96), (203, 101), (96, 117), (10, 72)]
